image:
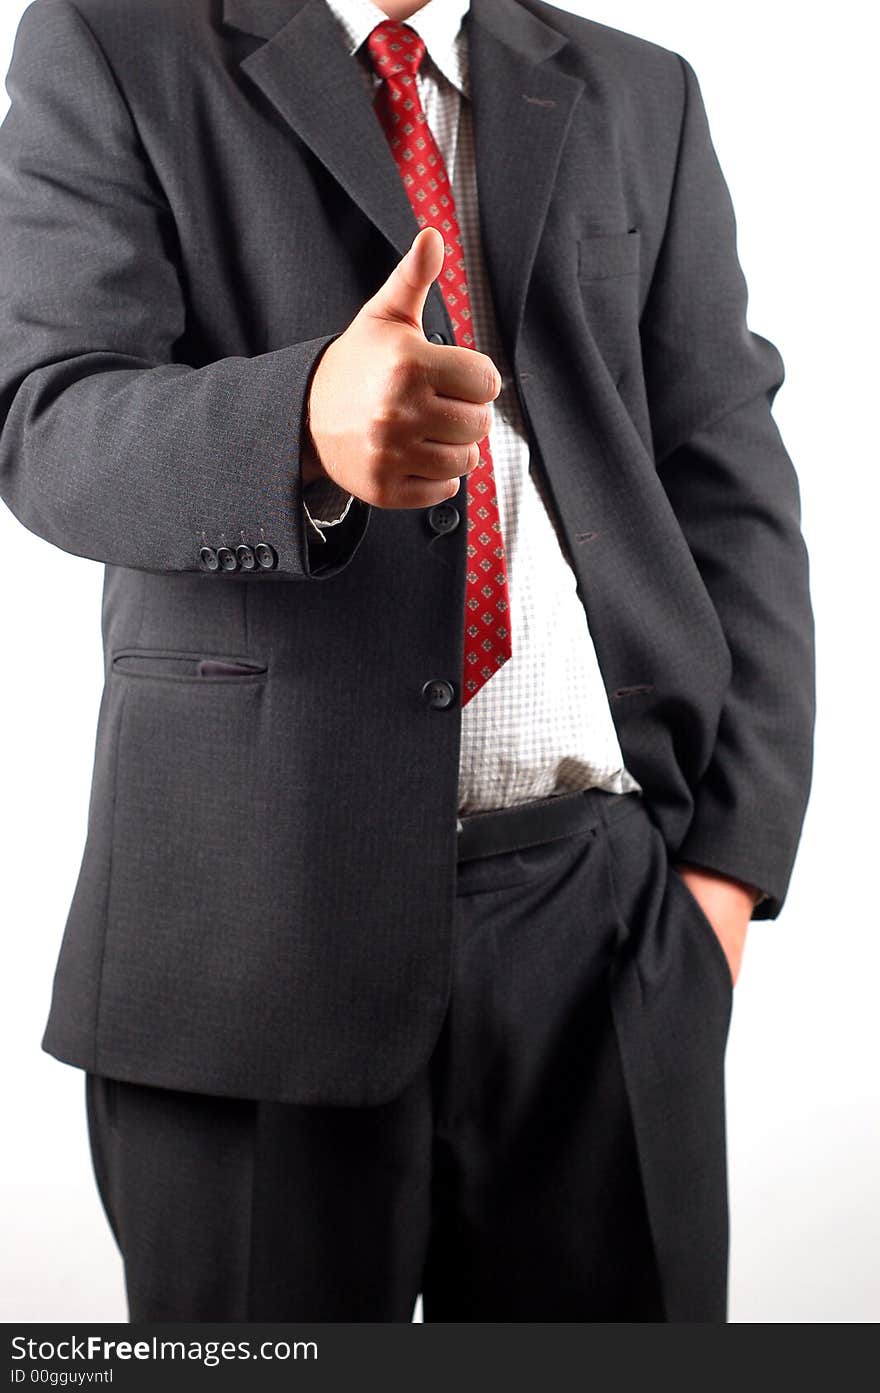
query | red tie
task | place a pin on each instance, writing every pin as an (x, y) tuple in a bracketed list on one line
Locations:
[(396, 51)]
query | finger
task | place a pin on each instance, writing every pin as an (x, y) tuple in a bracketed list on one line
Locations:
[(432, 461), (462, 373), (454, 422), (403, 295), (413, 492)]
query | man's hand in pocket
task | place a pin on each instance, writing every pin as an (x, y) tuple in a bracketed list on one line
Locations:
[(727, 904)]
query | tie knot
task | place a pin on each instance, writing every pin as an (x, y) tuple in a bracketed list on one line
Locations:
[(396, 50)]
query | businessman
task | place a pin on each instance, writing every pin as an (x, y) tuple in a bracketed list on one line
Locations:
[(458, 708)]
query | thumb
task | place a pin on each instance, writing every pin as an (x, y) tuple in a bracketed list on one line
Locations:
[(403, 295)]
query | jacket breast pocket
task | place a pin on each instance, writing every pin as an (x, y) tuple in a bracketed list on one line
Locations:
[(608, 279), (609, 256)]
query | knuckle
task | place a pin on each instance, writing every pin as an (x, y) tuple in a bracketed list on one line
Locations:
[(403, 374), (375, 437), (375, 477), (383, 427)]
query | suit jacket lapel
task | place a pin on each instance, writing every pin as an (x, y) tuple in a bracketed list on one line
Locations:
[(305, 72), (522, 106)]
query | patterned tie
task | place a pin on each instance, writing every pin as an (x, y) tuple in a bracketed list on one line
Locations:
[(396, 51)]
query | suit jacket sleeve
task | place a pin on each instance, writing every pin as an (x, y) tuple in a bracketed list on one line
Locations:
[(109, 447), (711, 384)]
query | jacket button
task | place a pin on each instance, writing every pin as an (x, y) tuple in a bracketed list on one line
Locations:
[(227, 559), (438, 693), (208, 558), (443, 517), (266, 555), (245, 556), (437, 337)]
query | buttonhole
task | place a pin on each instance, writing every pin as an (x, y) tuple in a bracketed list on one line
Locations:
[(634, 691)]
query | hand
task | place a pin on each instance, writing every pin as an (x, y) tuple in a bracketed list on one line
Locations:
[(727, 904), (393, 418)]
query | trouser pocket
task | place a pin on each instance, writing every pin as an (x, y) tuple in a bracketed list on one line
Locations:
[(671, 1001)]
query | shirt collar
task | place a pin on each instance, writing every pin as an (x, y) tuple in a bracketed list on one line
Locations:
[(439, 23)]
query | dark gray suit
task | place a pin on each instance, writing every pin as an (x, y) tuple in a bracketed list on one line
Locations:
[(265, 902)]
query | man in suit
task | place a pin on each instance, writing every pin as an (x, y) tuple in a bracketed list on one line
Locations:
[(459, 673)]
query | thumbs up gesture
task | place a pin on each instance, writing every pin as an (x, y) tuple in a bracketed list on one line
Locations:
[(393, 418)]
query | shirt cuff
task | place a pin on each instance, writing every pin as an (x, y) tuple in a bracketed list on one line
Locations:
[(325, 497)]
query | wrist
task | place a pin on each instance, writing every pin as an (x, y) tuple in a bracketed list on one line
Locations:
[(311, 467)]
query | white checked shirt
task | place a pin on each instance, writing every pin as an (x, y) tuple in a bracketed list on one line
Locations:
[(541, 725)]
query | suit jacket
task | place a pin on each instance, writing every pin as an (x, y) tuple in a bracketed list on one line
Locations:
[(194, 200)]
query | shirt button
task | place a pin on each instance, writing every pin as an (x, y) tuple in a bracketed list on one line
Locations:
[(437, 337), (443, 517), (266, 555), (208, 558), (438, 693), (245, 555), (227, 559)]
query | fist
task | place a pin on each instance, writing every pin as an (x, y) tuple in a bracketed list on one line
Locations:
[(392, 418)]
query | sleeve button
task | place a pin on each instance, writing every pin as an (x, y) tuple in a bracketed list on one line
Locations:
[(266, 556), (209, 559)]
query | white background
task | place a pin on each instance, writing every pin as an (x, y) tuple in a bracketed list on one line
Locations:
[(787, 90)]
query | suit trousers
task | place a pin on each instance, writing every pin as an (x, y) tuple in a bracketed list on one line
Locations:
[(559, 1157)]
